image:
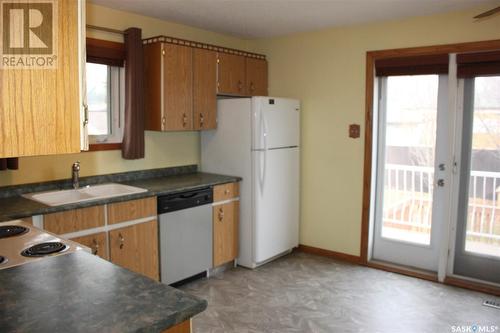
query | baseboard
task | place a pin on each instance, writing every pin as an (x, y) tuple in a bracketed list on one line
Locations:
[(476, 286), (330, 254), (452, 281)]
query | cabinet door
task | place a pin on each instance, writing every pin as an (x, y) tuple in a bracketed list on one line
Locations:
[(204, 89), (177, 88), (74, 220), (230, 74), (256, 77), (136, 248), (226, 191), (96, 242), (40, 108), (153, 111), (131, 210), (225, 230)]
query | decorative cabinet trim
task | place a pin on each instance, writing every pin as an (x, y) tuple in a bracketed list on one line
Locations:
[(179, 41)]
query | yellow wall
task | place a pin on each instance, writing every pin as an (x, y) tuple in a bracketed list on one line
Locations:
[(326, 70), (162, 149)]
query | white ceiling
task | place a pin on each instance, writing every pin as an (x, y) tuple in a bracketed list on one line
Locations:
[(268, 18)]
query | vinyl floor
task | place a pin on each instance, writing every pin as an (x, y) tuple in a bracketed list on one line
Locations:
[(307, 293)]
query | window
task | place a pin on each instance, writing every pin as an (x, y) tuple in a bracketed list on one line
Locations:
[(105, 99)]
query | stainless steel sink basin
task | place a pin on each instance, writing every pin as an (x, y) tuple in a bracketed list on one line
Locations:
[(95, 192)]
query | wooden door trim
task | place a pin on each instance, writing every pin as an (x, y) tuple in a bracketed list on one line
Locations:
[(419, 274), (476, 286), (371, 57)]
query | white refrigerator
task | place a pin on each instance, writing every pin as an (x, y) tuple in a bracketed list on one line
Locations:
[(258, 139)]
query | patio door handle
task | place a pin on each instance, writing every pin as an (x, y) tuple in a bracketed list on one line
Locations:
[(440, 182)]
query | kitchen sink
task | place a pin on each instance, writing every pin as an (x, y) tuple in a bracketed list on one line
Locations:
[(94, 192)]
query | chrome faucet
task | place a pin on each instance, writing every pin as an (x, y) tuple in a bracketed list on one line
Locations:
[(75, 174)]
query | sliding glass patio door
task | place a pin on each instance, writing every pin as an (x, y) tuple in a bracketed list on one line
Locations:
[(477, 244), (411, 170)]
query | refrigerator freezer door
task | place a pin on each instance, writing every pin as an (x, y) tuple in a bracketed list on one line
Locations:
[(276, 202), (275, 123)]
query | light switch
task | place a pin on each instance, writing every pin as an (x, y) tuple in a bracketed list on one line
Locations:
[(354, 131)]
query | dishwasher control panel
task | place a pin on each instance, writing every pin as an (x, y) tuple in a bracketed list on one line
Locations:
[(183, 200)]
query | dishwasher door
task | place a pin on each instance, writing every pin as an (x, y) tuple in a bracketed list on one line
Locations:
[(185, 243)]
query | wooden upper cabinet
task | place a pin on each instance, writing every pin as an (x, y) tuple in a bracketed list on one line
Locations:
[(136, 248), (152, 87), (230, 74), (256, 77), (177, 87), (40, 108), (168, 87), (204, 89)]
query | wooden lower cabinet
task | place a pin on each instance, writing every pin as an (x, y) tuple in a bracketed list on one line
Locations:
[(96, 242), (131, 210), (74, 220), (225, 232), (136, 248), (226, 191)]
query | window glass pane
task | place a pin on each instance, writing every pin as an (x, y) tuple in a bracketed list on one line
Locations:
[(410, 126), (98, 99), (483, 218)]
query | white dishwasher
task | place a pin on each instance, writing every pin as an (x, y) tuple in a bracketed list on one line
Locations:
[(185, 234)]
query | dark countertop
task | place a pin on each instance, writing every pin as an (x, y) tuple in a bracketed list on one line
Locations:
[(78, 292), (16, 207)]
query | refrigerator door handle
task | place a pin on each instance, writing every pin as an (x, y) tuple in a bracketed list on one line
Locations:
[(263, 153), (264, 129), (262, 168)]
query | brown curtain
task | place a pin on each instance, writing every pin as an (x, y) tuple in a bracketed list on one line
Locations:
[(9, 163), (105, 52), (413, 65), (478, 64), (133, 135)]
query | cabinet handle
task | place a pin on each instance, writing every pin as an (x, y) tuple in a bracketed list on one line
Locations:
[(122, 241), (202, 119), (240, 85), (95, 247), (221, 214), (184, 120), (252, 86), (85, 114), (226, 191), (163, 121)]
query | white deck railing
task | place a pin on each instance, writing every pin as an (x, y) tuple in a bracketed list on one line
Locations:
[(408, 199)]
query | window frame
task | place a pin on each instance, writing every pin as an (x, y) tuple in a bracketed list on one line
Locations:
[(117, 108), (111, 54)]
